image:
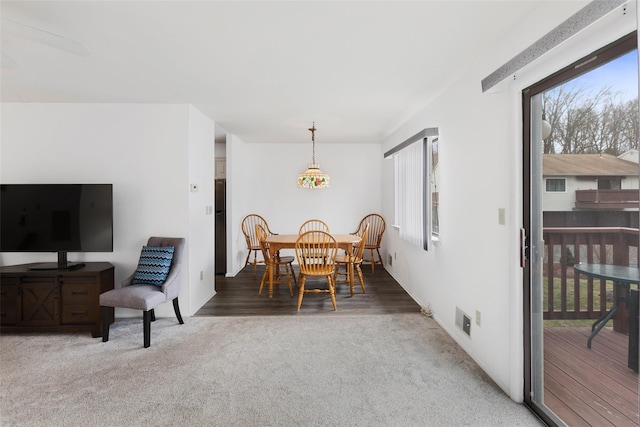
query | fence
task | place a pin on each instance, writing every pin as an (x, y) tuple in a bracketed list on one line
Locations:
[(564, 247)]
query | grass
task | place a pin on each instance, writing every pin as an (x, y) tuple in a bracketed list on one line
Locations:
[(583, 289)]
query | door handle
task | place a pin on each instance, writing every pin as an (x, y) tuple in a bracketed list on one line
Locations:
[(524, 247)]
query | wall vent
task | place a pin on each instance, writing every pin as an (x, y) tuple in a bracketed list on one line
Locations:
[(463, 321)]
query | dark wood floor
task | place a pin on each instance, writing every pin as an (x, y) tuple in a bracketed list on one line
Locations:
[(238, 296), (590, 387)]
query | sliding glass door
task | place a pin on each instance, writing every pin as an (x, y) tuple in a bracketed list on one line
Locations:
[(581, 207)]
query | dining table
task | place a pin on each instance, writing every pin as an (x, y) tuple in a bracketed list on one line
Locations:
[(278, 242)]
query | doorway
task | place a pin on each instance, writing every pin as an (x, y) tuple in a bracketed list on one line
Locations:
[(580, 176)]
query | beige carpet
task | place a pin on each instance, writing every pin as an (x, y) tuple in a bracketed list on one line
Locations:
[(389, 370)]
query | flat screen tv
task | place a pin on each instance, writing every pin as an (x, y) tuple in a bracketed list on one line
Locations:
[(56, 218)]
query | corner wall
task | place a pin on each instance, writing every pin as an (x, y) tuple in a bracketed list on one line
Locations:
[(144, 151)]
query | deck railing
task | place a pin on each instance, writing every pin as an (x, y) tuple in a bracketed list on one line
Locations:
[(607, 199), (567, 296)]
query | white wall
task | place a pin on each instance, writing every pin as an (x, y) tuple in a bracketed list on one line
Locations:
[(144, 151), (201, 172), (476, 266), (262, 179)]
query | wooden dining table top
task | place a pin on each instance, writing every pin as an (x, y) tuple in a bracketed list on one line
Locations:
[(287, 241)]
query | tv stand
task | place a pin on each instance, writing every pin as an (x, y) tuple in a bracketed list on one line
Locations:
[(45, 266), (59, 300), (62, 264)]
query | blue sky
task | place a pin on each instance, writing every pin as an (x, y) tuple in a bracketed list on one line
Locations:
[(621, 74)]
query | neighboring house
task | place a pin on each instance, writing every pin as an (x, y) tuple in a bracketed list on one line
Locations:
[(590, 182), (631, 155)]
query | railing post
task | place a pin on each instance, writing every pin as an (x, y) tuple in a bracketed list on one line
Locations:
[(621, 257)]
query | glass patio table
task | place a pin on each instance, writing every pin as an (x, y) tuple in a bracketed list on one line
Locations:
[(622, 276)]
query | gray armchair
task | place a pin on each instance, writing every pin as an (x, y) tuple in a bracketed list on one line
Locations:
[(146, 297)]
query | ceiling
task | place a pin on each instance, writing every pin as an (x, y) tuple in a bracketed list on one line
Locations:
[(263, 70)]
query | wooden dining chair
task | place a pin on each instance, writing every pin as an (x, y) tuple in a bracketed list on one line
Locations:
[(314, 224), (249, 223), (308, 246), (274, 264), (377, 226), (351, 263)]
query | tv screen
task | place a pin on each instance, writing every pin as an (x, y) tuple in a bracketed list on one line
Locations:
[(56, 218)]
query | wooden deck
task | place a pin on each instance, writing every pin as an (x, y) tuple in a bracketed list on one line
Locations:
[(589, 387), (238, 296)]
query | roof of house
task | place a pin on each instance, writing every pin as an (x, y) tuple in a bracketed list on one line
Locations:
[(587, 164)]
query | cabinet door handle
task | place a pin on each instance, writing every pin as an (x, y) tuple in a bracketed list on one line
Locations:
[(83, 292), (55, 306), (79, 313)]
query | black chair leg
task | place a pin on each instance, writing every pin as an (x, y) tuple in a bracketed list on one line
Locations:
[(176, 308), (146, 318), (106, 319), (153, 314)]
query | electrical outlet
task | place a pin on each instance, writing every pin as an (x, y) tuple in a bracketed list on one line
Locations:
[(501, 216), (390, 261), (201, 275), (477, 317)]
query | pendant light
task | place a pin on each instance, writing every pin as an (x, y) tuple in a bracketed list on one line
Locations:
[(313, 177)]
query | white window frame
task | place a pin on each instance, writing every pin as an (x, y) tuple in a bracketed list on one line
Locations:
[(434, 209), (422, 235), (546, 186)]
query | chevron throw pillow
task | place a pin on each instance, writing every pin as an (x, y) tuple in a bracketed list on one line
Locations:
[(153, 267)]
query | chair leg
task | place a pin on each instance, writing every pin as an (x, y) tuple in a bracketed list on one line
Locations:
[(380, 258), (293, 273), (106, 319), (153, 314), (359, 271), (373, 261), (246, 261), (265, 277), (176, 308), (303, 279), (332, 292), (255, 262), (286, 270), (146, 320)]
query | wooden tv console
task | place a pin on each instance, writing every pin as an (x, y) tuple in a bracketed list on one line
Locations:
[(57, 300)]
